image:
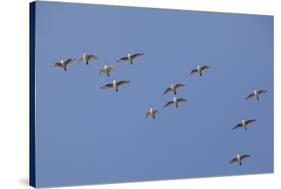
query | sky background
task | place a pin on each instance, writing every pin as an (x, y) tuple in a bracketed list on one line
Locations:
[(87, 135)]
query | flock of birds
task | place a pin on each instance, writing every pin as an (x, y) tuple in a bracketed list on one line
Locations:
[(152, 112)]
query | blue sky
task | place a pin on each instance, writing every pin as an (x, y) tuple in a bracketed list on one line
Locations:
[(87, 135)]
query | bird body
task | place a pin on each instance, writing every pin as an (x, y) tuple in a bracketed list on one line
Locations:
[(130, 57), (115, 84), (256, 93), (175, 101), (173, 88), (86, 58), (63, 63), (151, 112), (244, 124), (238, 158), (106, 69), (199, 69)]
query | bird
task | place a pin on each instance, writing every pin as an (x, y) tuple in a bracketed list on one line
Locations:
[(238, 158), (115, 84), (86, 58), (175, 101), (256, 93), (130, 57), (63, 63), (173, 88), (106, 69), (244, 124), (152, 112), (199, 69)]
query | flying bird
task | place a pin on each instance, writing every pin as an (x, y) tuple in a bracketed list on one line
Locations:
[(238, 158), (199, 69), (62, 63), (106, 69), (130, 57), (86, 58), (151, 112), (256, 93), (175, 101), (115, 84), (244, 124), (173, 88)]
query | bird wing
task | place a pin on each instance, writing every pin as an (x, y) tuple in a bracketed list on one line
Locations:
[(193, 71), (57, 64), (233, 160), (91, 56), (205, 67), (80, 59), (250, 121), (237, 126), (69, 61), (147, 114), (125, 58), (181, 100), (122, 82), (245, 156), (102, 71), (167, 90), (262, 91), (106, 86), (179, 85), (110, 68), (250, 96), (136, 55), (155, 111), (169, 103)]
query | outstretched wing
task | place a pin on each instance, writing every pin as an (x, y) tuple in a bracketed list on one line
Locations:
[(262, 91), (245, 156), (233, 160), (125, 58), (169, 103), (68, 61), (147, 114), (167, 90), (181, 100), (155, 111), (205, 67), (119, 83), (107, 86), (250, 121), (102, 71), (193, 71), (179, 85), (80, 59), (57, 64), (136, 55), (91, 56), (237, 126), (110, 68), (250, 96)]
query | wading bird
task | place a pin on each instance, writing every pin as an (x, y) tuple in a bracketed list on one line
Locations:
[(244, 124), (115, 84), (199, 69), (130, 57), (173, 88), (256, 93), (238, 158), (62, 63), (175, 101)]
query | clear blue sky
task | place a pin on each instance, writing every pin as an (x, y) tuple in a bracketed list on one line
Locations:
[(87, 135)]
